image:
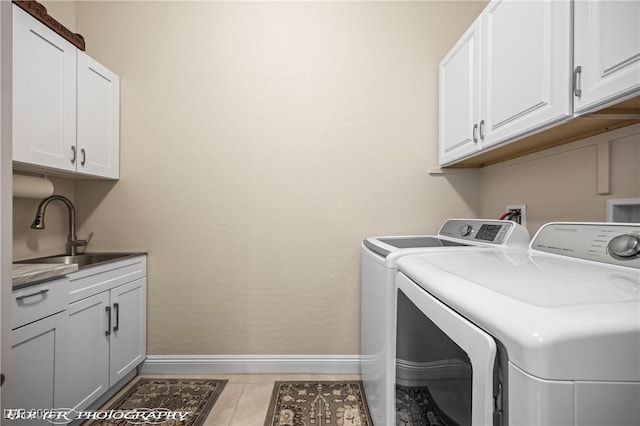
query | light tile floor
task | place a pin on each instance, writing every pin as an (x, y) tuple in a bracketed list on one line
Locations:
[(244, 401)]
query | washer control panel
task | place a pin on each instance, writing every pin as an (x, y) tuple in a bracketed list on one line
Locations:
[(498, 232), (616, 244)]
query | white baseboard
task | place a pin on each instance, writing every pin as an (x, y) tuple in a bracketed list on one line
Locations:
[(251, 364)]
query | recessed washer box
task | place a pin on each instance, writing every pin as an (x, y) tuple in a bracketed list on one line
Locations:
[(624, 210)]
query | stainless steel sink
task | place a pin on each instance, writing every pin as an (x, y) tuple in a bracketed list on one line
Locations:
[(82, 260)]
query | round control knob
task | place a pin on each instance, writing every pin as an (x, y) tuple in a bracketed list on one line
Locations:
[(465, 230), (624, 247)]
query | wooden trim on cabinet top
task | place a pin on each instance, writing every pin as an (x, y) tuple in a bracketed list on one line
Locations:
[(570, 131), (623, 114), (39, 12)]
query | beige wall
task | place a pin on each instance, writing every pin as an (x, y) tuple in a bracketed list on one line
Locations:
[(560, 184), (63, 11), (260, 143)]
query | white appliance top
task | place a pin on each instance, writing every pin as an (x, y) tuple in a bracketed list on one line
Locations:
[(563, 310), (615, 244), (454, 233)]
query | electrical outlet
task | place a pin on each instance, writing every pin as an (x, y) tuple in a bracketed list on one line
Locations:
[(523, 212)]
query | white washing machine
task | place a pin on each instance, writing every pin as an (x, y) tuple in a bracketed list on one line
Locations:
[(379, 257), (549, 336)]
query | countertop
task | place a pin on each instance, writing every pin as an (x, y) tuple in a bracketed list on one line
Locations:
[(25, 274), (32, 271)]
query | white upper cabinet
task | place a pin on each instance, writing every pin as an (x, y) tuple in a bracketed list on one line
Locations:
[(460, 96), (66, 106), (44, 94), (606, 53), (98, 118), (508, 76), (526, 68)]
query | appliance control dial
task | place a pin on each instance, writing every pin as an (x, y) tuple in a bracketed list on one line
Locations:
[(465, 230), (623, 247)]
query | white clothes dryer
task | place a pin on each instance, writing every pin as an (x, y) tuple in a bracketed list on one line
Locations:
[(378, 295), (549, 336)]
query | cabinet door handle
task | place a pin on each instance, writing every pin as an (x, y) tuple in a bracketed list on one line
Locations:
[(75, 154), (482, 130), (116, 308), (108, 332), (475, 133), (84, 156), (577, 81), (37, 293)]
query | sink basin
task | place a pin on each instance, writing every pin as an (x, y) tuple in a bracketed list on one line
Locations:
[(82, 260)]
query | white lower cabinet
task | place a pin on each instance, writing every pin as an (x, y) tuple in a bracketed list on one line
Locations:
[(128, 329), (107, 331), (38, 360), (74, 338), (88, 350), (39, 341)]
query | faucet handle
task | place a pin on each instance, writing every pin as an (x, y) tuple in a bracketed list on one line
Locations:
[(83, 243)]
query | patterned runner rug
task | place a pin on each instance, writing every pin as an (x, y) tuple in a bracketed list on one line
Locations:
[(183, 402), (318, 403)]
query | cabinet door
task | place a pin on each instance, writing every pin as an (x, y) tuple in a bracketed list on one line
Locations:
[(128, 326), (44, 94), (98, 119), (460, 97), (38, 353), (607, 50), (88, 351), (526, 67)]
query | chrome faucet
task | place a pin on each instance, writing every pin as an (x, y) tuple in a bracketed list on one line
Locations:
[(72, 241)]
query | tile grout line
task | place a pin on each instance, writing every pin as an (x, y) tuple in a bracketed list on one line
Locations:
[(212, 414), (252, 407), (235, 408)]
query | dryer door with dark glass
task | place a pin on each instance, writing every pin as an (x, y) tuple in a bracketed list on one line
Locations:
[(444, 363)]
